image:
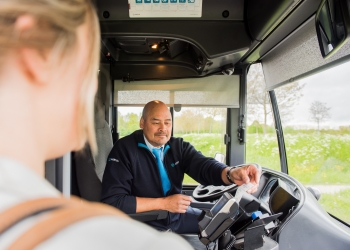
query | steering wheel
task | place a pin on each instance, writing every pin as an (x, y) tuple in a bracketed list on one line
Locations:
[(209, 193)]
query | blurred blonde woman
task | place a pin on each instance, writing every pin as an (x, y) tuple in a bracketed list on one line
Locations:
[(49, 55)]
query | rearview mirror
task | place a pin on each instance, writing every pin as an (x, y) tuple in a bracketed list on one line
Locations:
[(332, 25)]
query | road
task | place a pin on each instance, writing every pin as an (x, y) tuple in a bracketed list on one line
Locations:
[(330, 189)]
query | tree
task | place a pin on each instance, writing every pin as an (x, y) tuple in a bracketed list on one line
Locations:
[(128, 123), (258, 100), (200, 120), (319, 112), (184, 122), (212, 113), (132, 121), (197, 117)]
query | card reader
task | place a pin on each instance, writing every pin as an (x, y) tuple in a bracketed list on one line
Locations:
[(213, 223)]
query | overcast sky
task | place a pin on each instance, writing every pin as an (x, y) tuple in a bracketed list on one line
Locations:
[(331, 87)]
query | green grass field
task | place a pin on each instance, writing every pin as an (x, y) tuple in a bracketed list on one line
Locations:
[(337, 204), (313, 158)]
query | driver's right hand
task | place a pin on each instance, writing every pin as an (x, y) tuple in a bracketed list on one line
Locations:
[(177, 203)]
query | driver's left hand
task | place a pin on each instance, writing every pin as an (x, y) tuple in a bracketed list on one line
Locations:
[(246, 174)]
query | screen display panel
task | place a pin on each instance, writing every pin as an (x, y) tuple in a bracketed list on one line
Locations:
[(219, 205)]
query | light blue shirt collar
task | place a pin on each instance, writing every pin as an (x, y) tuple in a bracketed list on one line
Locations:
[(151, 147)]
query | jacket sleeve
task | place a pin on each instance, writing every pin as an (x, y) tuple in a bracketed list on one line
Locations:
[(205, 170), (117, 181)]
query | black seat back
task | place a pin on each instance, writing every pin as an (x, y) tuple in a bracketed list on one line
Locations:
[(89, 168)]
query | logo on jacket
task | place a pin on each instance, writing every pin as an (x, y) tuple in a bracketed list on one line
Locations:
[(174, 164), (113, 159)]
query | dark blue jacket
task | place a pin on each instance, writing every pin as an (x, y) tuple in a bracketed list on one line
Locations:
[(132, 171)]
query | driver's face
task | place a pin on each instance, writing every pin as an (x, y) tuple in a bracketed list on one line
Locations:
[(157, 125)]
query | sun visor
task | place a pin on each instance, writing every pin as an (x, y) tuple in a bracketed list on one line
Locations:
[(299, 56), (216, 91)]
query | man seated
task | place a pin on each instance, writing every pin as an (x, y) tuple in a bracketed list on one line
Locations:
[(145, 170)]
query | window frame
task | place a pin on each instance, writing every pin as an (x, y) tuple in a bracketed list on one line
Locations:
[(279, 132)]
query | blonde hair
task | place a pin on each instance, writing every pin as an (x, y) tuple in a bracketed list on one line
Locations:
[(56, 23)]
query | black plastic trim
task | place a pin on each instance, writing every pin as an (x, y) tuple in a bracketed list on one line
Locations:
[(279, 132), (298, 207), (150, 216), (341, 221)]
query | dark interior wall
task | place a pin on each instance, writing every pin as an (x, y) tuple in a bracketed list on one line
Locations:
[(301, 13), (105, 88), (261, 16), (54, 172), (214, 38), (235, 150)]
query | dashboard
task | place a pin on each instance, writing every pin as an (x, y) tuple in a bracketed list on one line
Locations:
[(299, 222)]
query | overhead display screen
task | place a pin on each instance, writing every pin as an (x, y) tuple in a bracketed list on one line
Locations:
[(165, 8)]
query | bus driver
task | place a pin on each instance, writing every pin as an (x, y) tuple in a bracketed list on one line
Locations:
[(145, 170)]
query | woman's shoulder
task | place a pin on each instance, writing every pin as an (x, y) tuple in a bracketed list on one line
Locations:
[(19, 184)]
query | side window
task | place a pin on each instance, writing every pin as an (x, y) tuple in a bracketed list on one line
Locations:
[(128, 120), (204, 128), (317, 135), (261, 142)]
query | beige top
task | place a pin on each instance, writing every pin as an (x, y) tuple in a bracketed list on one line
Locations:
[(18, 183)]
